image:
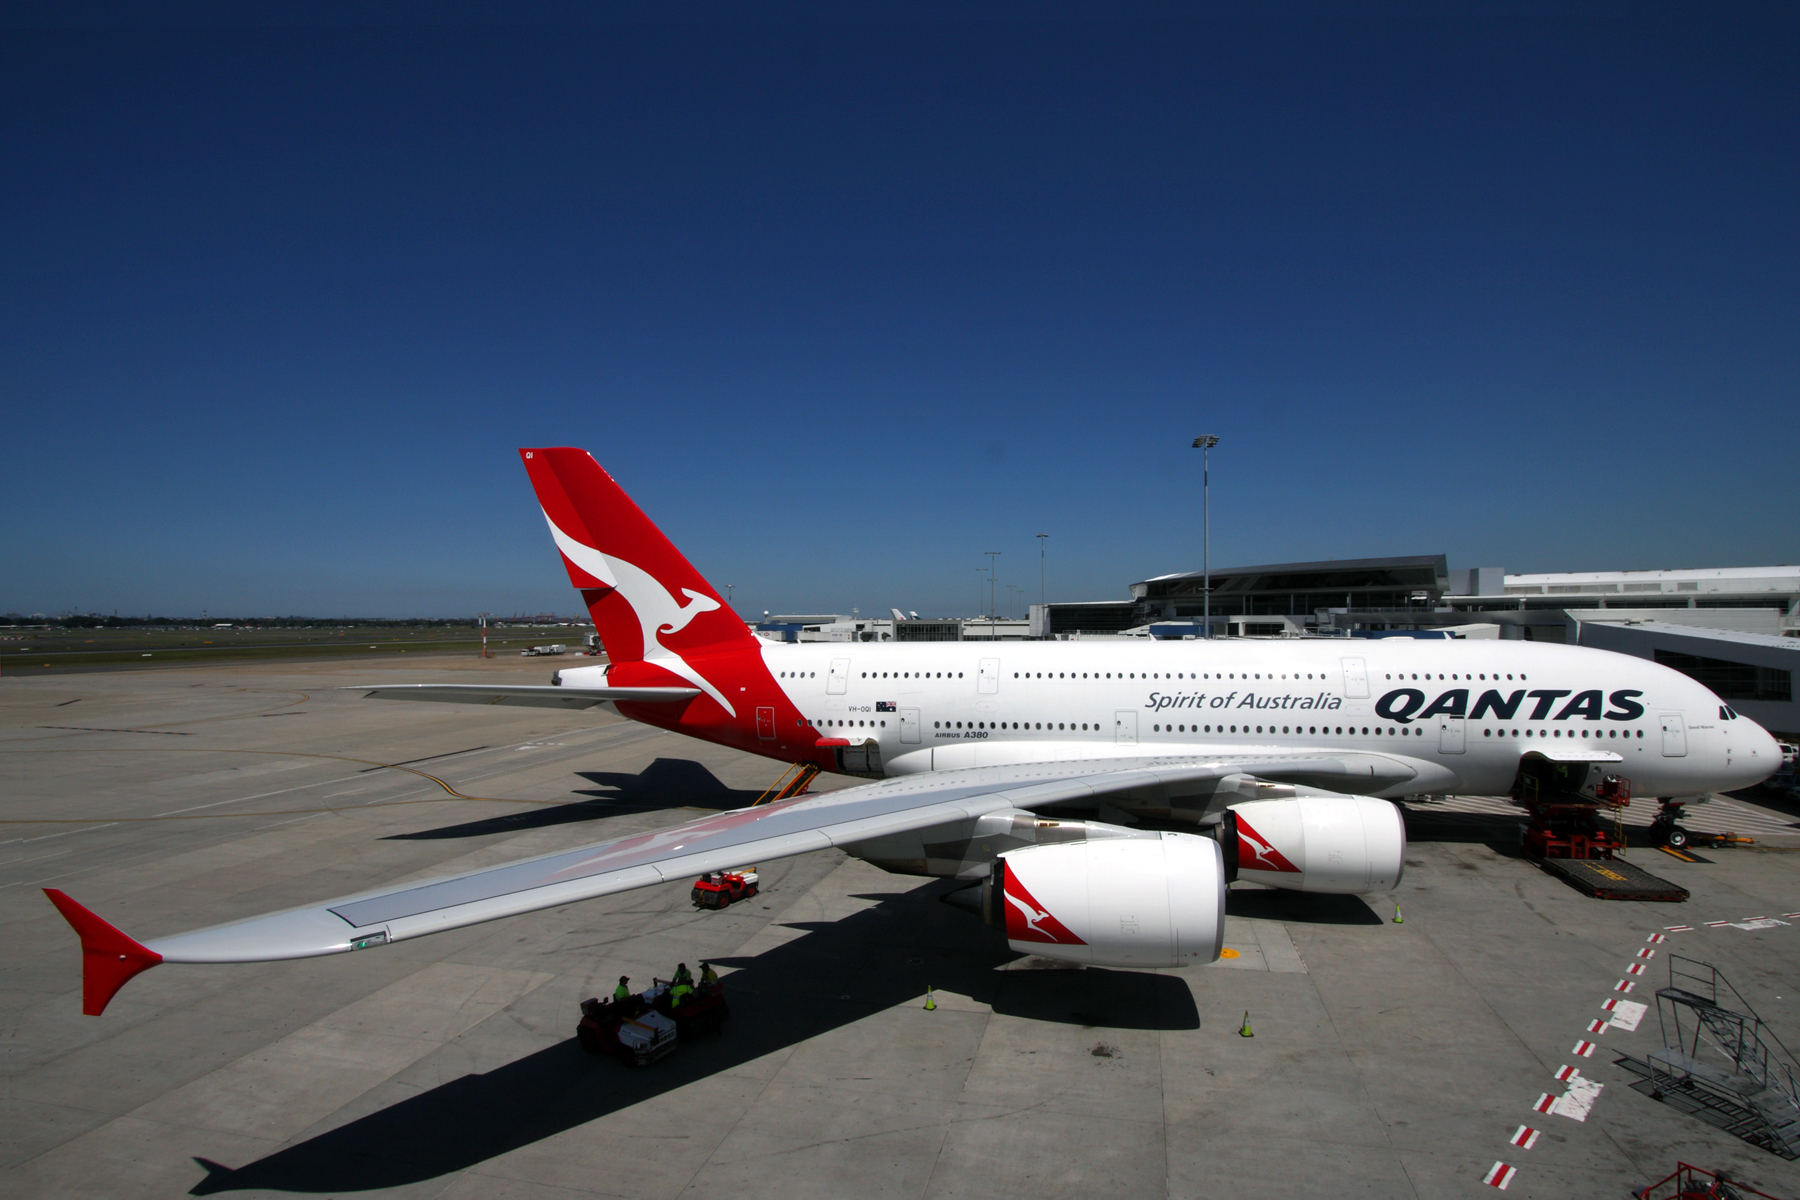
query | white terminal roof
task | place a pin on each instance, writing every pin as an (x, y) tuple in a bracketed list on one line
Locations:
[(1764, 641), (1702, 579)]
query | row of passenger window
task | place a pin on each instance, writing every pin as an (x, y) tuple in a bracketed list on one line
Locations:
[(1309, 730), (1157, 675), (1388, 731)]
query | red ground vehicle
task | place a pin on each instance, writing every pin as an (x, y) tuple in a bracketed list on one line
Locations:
[(701, 1011), (630, 1029), (716, 889), (643, 1028)]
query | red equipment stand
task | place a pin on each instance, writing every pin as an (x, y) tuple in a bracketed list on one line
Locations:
[(1697, 1183), (1567, 823)]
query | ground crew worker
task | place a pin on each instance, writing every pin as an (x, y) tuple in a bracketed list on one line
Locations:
[(683, 975), (678, 993), (707, 974), (623, 991)]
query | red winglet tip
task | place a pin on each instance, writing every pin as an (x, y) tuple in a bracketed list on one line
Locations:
[(109, 958)]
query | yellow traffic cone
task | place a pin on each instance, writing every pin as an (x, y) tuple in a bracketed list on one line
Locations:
[(1245, 1031), (930, 1004), (1398, 919)]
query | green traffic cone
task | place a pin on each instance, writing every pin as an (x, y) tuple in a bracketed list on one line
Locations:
[(1398, 919), (1245, 1031), (930, 1004)]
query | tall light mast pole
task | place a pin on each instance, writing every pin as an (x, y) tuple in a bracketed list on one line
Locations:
[(1204, 444)]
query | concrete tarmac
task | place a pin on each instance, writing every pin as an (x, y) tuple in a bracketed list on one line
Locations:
[(1389, 1060)]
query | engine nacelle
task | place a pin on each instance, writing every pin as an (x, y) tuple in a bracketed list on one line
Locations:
[(1345, 844), (1132, 902)]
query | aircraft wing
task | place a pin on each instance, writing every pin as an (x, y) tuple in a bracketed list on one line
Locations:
[(710, 843), (529, 697)]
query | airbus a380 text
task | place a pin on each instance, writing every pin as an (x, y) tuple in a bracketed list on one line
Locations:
[(1102, 794)]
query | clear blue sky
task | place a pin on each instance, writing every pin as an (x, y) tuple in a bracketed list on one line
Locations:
[(844, 303)]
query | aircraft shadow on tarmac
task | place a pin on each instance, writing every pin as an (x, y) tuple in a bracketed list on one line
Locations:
[(1304, 908), (834, 975), (1498, 831), (665, 783)]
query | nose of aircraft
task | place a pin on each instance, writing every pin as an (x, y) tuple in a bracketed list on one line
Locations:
[(1758, 754)]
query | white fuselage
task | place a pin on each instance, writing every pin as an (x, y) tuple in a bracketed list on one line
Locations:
[(938, 706)]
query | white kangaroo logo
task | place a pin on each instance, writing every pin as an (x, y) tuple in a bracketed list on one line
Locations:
[(1261, 850), (1032, 915), (657, 611)]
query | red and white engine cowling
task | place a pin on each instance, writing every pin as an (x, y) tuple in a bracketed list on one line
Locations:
[(1155, 901), (1345, 844)]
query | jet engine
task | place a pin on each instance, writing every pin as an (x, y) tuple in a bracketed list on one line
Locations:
[(1156, 901), (1345, 844)]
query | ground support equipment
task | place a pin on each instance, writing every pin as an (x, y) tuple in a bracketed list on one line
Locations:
[(1697, 1183), (1612, 879), (793, 782), (701, 1011), (1747, 1083), (1577, 831), (630, 1029), (716, 889)]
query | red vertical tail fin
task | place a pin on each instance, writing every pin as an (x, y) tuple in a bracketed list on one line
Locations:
[(647, 600)]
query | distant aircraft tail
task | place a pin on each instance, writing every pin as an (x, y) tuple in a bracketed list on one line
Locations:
[(647, 600)]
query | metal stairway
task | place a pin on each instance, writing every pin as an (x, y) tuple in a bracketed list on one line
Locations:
[(1747, 1081)]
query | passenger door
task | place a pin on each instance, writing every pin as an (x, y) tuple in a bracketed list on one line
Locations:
[(1356, 679), (1674, 733), (1125, 727), (765, 724), (1451, 735), (839, 680), (909, 726), (988, 677)]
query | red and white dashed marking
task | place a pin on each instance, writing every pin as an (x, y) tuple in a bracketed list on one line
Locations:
[(1646, 952), (1499, 1176), (1596, 1027), (1716, 924), (1635, 969), (1565, 1073), (1584, 1049), (1543, 1103), (1624, 985), (1525, 1137), (1654, 938), (1791, 914)]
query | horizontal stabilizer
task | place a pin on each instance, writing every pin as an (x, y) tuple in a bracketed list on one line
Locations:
[(109, 958), (529, 697)]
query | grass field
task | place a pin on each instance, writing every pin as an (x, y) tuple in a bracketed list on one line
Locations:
[(48, 651)]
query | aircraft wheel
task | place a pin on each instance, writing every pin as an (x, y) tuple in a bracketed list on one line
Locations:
[(1678, 838)]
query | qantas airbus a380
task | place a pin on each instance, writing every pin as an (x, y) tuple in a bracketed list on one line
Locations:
[(1211, 760)]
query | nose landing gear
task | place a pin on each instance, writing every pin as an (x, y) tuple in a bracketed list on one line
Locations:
[(1664, 831), (1667, 830)]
